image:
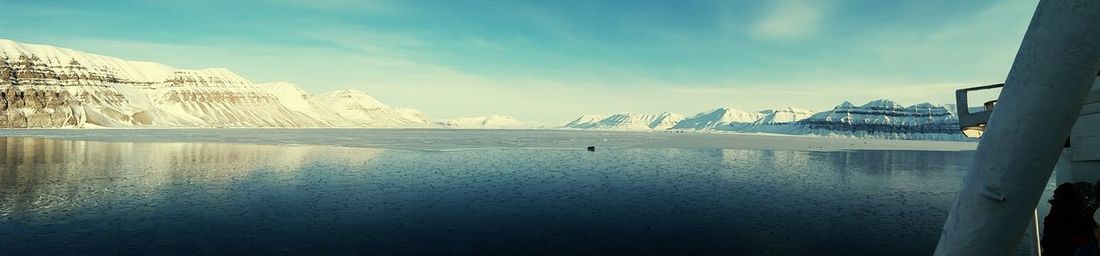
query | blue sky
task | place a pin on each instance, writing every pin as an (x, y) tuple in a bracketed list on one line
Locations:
[(549, 61)]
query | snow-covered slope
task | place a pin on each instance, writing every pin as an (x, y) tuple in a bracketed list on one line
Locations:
[(220, 98), (365, 111), (46, 86), (627, 121), (666, 120), (585, 121), (782, 116), (298, 100), (719, 119), (485, 122)]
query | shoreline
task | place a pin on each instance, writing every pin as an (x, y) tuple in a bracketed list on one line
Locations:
[(444, 139)]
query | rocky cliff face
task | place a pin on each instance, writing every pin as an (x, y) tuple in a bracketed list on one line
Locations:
[(37, 92), (38, 109), (23, 67)]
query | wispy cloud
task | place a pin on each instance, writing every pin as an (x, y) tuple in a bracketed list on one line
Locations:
[(374, 6), (731, 90), (365, 40), (790, 19), (976, 47)]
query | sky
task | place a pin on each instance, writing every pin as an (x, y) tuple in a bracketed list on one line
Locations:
[(551, 61)]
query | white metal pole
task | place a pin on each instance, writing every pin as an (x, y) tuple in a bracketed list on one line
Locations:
[(1041, 100), (1038, 248)]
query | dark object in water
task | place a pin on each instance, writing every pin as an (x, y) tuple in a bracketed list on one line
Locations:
[(591, 148)]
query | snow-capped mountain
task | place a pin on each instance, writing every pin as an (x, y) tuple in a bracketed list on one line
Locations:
[(719, 118), (879, 118), (365, 111), (485, 122), (885, 118), (46, 86), (627, 121), (725, 119)]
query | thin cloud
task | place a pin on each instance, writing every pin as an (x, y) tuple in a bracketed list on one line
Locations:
[(367, 41), (341, 5), (978, 47), (789, 20)]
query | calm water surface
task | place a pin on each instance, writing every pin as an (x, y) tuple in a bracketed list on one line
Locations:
[(68, 197)]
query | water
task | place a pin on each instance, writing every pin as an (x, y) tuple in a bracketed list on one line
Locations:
[(67, 197)]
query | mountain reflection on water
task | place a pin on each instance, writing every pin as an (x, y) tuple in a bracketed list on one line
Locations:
[(86, 197), (42, 174)]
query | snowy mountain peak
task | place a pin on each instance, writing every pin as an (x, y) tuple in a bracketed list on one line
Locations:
[(351, 98), (846, 104), (882, 104), (786, 109), (923, 105)]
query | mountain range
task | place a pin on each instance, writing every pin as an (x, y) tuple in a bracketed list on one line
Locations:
[(44, 86), (885, 118), (880, 118)]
